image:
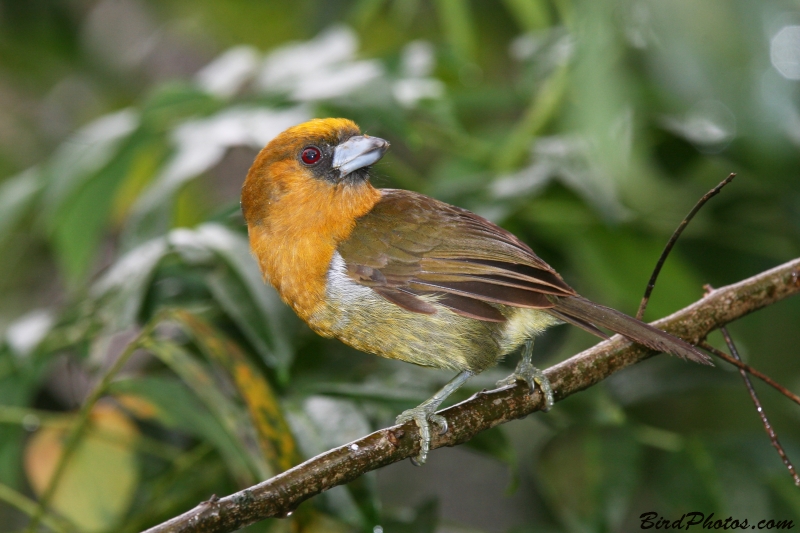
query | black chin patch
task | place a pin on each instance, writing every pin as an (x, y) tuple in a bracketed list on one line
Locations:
[(357, 176)]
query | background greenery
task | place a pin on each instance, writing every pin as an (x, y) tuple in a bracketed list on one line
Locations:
[(588, 128)]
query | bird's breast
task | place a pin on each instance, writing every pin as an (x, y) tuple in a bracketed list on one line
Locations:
[(295, 264), (359, 317)]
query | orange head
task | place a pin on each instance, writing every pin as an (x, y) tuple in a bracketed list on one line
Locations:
[(302, 197)]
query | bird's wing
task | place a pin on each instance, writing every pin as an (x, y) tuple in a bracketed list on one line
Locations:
[(411, 245)]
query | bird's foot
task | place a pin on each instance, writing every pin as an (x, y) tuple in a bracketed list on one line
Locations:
[(423, 415), (532, 376)]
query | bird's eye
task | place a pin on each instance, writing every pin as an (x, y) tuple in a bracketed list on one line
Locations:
[(311, 155)]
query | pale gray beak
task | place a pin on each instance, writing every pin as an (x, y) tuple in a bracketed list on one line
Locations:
[(358, 152)]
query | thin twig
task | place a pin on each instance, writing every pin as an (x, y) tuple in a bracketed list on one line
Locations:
[(773, 437), (279, 496), (752, 371), (668, 248)]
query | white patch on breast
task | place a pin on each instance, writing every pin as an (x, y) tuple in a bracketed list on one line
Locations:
[(346, 295)]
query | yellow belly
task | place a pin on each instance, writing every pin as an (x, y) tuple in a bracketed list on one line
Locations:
[(359, 317)]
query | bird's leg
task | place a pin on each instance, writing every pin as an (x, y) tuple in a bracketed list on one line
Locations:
[(424, 413), (532, 375)]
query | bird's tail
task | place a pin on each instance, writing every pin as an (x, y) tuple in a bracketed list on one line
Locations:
[(583, 313)]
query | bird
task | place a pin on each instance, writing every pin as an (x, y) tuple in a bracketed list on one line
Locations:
[(405, 276)]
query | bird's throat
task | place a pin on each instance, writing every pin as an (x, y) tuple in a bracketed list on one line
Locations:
[(295, 238)]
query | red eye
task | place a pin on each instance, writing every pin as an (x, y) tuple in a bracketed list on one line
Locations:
[(311, 155)]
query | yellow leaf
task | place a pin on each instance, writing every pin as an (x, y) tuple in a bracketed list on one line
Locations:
[(275, 438), (138, 407), (99, 482)]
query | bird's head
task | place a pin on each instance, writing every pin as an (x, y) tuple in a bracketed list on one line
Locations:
[(312, 163)]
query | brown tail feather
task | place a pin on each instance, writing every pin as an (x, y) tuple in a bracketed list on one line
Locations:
[(582, 309)]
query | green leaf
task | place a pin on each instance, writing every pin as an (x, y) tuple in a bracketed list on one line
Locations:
[(541, 110), (365, 11), (235, 300), (191, 478), (17, 195), (379, 391), (19, 381), (174, 102), (266, 414), (530, 14), (171, 403), (253, 305), (230, 415), (456, 20), (84, 154), (11, 441), (80, 221), (122, 290)]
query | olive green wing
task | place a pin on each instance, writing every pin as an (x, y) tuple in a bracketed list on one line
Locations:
[(411, 245)]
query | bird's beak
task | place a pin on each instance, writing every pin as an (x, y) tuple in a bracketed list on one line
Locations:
[(358, 152)]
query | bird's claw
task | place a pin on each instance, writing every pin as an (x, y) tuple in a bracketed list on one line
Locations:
[(440, 421), (422, 416), (532, 376)]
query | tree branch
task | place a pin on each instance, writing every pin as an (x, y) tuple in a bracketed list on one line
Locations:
[(280, 495)]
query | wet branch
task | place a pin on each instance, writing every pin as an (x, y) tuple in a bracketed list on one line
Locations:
[(278, 496)]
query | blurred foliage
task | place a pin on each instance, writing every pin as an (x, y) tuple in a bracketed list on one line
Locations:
[(144, 366)]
